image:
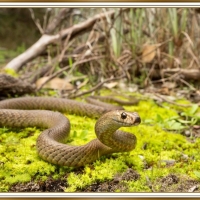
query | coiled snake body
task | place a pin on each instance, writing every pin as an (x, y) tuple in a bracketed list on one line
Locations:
[(26, 111)]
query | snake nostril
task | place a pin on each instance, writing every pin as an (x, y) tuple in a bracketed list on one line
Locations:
[(138, 119)]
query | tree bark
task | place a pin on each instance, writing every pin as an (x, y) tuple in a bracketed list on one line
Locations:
[(10, 86)]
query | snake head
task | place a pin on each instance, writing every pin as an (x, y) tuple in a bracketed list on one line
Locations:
[(108, 123), (107, 131), (125, 118)]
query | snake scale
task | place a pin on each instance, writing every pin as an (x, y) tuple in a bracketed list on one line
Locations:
[(36, 111)]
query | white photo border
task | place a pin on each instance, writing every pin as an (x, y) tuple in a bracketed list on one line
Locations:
[(98, 195)]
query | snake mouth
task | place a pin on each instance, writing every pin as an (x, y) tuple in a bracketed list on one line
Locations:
[(137, 120), (128, 120), (126, 123)]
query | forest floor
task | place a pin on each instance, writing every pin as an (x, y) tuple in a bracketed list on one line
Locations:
[(166, 158)]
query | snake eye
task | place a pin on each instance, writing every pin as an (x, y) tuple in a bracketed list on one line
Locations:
[(123, 115)]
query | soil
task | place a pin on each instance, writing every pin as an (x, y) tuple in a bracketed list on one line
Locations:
[(50, 185), (170, 183), (173, 183)]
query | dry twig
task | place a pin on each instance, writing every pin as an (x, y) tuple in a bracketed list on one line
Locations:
[(96, 87), (172, 102)]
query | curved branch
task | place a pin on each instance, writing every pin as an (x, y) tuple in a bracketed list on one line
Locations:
[(37, 48)]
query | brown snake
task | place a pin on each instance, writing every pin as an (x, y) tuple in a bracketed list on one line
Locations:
[(26, 111)]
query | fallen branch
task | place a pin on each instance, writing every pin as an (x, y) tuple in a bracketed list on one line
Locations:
[(39, 47), (186, 74), (10, 86)]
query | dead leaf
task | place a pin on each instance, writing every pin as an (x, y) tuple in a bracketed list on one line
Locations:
[(196, 127), (56, 84), (148, 53), (192, 189), (164, 90), (170, 85), (110, 85)]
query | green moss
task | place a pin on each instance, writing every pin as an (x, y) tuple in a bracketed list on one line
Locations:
[(18, 178), (19, 159), (20, 162), (11, 72), (138, 186), (102, 171)]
